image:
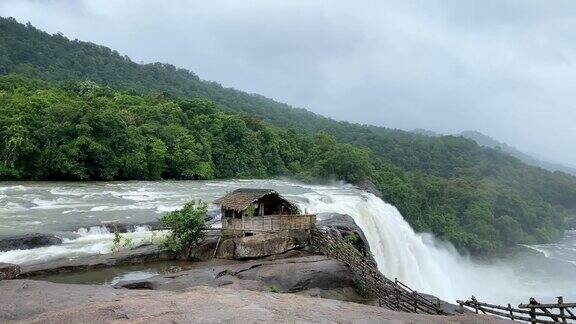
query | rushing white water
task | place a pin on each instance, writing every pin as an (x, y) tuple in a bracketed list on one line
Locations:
[(418, 260), (89, 241)]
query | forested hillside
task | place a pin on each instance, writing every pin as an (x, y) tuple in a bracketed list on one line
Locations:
[(132, 121)]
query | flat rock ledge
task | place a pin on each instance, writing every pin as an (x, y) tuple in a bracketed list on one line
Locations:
[(27, 301), (295, 272), (142, 254)]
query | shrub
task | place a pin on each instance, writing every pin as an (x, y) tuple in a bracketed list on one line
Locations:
[(274, 289), (128, 242), (187, 226), (117, 240)]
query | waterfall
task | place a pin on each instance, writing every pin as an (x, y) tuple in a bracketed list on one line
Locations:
[(419, 260)]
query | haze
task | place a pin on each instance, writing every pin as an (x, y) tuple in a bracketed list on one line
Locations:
[(504, 68)]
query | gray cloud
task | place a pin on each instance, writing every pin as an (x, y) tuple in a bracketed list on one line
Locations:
[(503, 67)]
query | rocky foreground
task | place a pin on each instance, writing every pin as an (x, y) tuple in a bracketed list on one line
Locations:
[(261, 278), (30, 301), (293, 287)]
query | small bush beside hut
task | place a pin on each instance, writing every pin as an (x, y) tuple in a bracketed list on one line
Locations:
[(186, 225)]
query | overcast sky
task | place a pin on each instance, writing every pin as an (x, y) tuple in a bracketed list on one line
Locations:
[(506, 68)]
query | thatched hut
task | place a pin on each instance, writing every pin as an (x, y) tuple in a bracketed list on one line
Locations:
[(253, 210)]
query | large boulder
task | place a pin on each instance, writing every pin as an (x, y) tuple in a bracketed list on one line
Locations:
[(261, 245), (203, 251), (343, 226), (28, 241), (227, 249), (9, 271)]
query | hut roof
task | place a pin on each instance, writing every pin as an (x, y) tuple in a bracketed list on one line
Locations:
[(241, 198)]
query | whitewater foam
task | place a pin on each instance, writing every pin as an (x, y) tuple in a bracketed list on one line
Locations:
[(163, 208), (90, 241)]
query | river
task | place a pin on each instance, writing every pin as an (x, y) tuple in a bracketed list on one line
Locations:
[(75, 212)]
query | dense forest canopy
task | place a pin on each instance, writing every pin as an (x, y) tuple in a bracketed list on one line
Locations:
[(78, 111)]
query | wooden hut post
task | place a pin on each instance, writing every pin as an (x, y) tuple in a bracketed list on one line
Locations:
[(261, 214)]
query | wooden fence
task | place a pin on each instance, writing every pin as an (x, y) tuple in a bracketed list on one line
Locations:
[(533, 312), (393, 295), (270, 223), (397, 296)]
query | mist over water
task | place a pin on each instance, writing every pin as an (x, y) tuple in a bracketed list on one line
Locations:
[(75, 211)]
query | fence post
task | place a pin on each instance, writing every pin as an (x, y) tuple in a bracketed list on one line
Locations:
[(475, 303), (510, 310), (560, 302), (532, 301)]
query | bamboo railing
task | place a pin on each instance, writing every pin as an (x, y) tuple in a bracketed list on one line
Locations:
[(393, 295), (270, 223), (533, 312)]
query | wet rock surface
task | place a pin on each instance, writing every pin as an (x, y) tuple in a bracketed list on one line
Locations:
[(28, 241), (9, 271), (129, 227), (370, 187), (142, 254), (343, 226), (42, 302)]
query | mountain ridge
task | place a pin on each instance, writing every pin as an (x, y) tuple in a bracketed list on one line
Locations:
[(485, 140)]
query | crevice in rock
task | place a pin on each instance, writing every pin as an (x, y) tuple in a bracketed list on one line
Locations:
[(236, 273)]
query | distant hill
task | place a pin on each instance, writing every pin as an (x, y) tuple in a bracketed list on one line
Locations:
[(488, 141)]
